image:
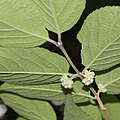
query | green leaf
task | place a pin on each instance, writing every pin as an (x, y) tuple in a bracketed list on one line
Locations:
[(112, 105), (47, 92), (60, 15), (21, 24), (31, 66), (110, 80), (21, 118), (100, 37), (29, 108), (91, 108), (80, 90), (73, 112)]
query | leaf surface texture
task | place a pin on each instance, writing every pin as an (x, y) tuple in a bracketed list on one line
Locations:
[(100, 37)]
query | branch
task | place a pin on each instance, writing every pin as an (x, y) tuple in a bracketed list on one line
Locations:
[(80, 74), (103, 108), (100, 103), (60, 45)]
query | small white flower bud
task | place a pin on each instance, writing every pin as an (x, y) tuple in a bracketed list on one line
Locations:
[(89, 77), (66, 82), (102, 88)]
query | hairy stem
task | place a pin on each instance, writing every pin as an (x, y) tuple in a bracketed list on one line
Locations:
[(68, 58), (100, 103), (103, 108), (60, 45)]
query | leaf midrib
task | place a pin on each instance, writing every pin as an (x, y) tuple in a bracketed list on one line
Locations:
[(49, 90), (21, 30), (24, 88), (53, 15), (35, 73)]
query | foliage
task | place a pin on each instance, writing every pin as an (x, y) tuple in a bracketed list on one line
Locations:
[(32, 75)]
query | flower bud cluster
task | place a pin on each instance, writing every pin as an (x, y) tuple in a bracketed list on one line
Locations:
[(66, 82), (88, 77)]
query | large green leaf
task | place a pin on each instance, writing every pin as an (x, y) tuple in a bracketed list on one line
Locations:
[(61, 15), (110, 80), (31, 66), (21, 24), (73, 112), (47, 92), (100, 37), (29, 108)]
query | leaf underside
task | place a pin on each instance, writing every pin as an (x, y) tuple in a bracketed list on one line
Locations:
[(60, 15), (73, 112), (112, 105), (110, 80), (46, 92), (31, 66), (21, 118), (29, 108), (100, 37), (91, 108), (21, 24)]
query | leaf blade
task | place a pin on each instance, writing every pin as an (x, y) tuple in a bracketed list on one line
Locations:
[(72, 112), (31, 66), (29, 109), (92, 110), (60, 15), (21, 19), (112, 105), (21, 118), (110, 80), (100, 38), (52, 92)]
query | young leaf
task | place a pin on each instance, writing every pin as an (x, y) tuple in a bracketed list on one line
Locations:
[(110, 80), (112, 105), (60, 15), (29, 108), (100, 37), (21, 24), (73, 112), (47, 92), (31, 66)]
